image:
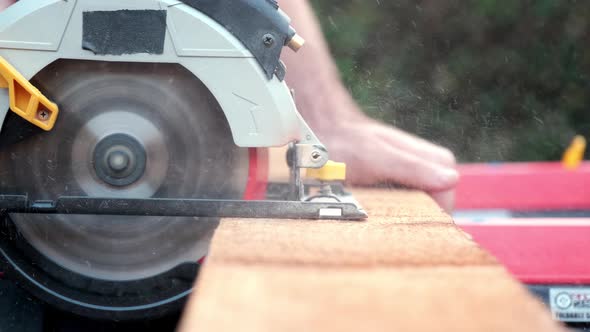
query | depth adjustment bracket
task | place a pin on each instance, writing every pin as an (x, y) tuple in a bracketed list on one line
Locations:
[(303, 156)]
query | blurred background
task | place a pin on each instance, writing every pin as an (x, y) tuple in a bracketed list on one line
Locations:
[(492, 80)]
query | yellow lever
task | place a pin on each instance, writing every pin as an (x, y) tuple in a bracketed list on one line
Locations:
[(574, 154), (26, 100), (331, 171)]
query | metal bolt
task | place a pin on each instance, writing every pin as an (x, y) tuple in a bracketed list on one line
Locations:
[(43, 115), (315, 156), (268, 40)]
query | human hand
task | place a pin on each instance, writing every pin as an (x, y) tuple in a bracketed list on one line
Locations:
[(374, 152), (377, 153)]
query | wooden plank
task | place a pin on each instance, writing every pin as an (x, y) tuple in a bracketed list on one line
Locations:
[(407, 268)]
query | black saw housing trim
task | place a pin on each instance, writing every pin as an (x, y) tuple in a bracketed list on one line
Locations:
[(256, 23)]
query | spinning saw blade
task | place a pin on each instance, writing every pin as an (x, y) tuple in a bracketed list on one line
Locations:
[(130, 100), (131, 131)]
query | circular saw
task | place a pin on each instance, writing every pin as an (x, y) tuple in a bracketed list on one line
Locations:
[(129, 129)]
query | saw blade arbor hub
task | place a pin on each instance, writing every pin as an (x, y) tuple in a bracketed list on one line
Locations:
[(119, 160)]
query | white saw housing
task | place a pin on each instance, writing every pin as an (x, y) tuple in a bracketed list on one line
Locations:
[(260, 111)]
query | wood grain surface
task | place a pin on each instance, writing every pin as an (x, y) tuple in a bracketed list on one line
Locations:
[(407, 268)]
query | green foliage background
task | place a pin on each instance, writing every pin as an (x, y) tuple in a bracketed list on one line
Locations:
[(492, 80)]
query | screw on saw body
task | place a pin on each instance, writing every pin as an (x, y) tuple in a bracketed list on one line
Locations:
[(43, 115), (268, 40), (316, 156)]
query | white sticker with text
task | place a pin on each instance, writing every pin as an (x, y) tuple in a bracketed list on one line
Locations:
[(570, 304)]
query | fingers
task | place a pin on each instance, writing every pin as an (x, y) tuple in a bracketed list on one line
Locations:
[(375, 154), (374, 160), (445, 199), (426, 150), (6, 3), (415, 171), (416, 145)]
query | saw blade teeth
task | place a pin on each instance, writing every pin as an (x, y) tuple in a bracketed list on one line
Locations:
[(189, 153)]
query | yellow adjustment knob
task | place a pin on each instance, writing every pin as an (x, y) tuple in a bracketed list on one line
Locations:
[(332, 171), (574, 154)]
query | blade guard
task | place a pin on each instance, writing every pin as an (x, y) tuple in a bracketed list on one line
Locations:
[(26, 100)]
